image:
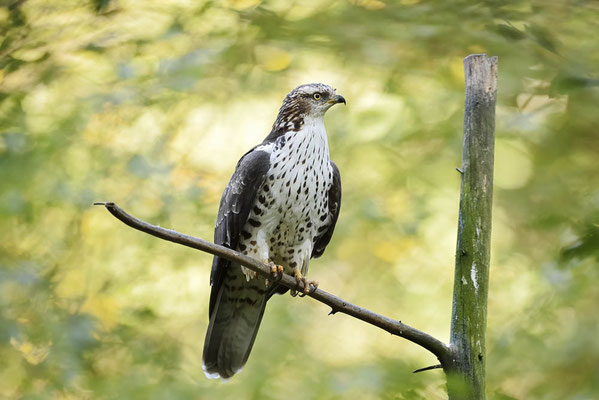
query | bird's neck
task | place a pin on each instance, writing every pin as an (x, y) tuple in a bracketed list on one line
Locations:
[(316, 133), (308, 146)]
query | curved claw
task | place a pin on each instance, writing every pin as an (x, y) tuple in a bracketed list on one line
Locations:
[(309, 285), (276, 272)]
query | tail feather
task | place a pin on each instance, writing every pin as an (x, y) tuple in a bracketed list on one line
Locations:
[(232, 330)]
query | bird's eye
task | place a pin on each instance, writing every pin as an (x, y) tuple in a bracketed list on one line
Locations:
[(317, 96)]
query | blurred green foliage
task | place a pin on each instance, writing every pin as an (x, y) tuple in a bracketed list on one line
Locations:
[(150, 104)]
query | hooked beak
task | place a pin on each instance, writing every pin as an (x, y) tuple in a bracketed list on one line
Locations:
[(337, 99)]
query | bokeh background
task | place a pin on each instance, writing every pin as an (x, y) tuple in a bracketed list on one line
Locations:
[(150, 104)]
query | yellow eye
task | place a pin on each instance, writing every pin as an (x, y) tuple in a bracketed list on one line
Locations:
[(317, 96)]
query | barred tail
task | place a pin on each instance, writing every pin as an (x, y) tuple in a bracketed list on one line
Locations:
[(232, 329)]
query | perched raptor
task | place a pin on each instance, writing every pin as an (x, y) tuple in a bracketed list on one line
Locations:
[(280, 206)]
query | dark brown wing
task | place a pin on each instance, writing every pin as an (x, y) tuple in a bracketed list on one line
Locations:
[(334, 207), (235, 205)]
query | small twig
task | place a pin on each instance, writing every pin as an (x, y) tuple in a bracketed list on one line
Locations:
[(459, 170), (435, 346), (428, 368)]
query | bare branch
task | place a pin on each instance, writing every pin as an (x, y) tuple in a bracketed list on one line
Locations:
[(435, 346)]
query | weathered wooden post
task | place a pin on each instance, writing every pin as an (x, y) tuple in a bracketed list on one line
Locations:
[(466, 373)]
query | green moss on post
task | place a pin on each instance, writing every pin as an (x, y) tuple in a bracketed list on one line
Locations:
[(466, 372)]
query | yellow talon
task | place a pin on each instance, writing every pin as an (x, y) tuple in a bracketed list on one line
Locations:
[(276, 271), (309, 285)]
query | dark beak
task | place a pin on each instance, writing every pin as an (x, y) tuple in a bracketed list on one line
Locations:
[(339, 99)]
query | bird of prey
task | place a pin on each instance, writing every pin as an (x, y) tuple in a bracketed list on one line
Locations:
[(280, 206)]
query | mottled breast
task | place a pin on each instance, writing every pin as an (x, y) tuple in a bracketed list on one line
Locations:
[(291, 208)]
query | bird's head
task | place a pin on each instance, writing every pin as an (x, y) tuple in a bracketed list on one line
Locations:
[(311, 100), (305, 101)]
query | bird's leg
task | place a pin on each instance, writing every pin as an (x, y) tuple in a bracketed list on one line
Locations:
[(276, 272), (309, 285)]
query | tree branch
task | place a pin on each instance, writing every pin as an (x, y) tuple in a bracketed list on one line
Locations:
[(435, 346)]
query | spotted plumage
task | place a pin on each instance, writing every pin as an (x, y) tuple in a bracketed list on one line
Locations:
[(281, 205)]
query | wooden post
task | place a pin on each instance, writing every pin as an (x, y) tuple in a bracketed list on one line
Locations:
[(466, 372)]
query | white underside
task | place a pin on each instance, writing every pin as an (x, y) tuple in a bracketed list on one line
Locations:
[(304, 161)]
